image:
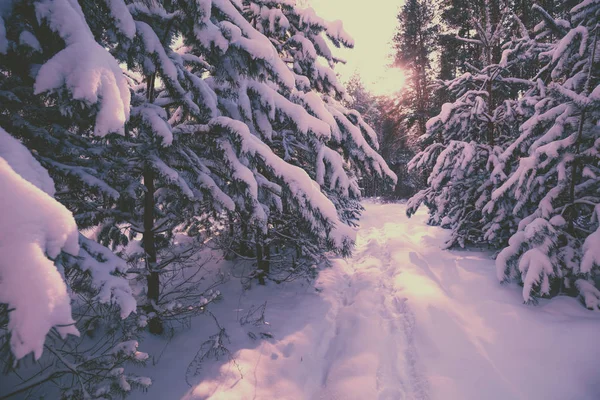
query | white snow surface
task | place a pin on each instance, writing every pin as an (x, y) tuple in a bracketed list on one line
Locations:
[(402, 319), (34, 229), (22, 162), (83, 67)]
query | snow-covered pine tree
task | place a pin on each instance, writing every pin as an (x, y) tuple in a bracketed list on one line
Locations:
[(282, 132), (362, 100), (170, 188), (390, 118), (206, 77), (398, 144), (466, 138), (36, 227), (552, 169), (53, 277), (345, 155), (61, 92), (351, 137)]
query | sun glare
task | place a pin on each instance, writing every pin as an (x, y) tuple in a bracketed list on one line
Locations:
[(390, 82), (372, 33)]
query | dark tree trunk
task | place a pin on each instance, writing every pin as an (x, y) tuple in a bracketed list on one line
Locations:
[(267, 259), (490, 104), (490, 124), (244, 249), (262, 258), (153, 280), (260, 266)]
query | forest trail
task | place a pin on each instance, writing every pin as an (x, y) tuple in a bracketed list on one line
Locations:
[(401, 320), (372, 354)]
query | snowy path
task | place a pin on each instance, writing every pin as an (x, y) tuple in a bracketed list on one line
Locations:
[(400, 320), (371, 355)]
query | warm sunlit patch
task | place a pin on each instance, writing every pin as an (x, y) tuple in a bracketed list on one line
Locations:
[(420, 287), (372, 33), (391, 81)]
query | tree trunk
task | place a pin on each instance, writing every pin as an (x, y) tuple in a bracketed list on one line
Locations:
[(261, 265), (575, 176), (153, 280), (230, 252), (490, 124), (490, 103), (267, 259), (244, 249)]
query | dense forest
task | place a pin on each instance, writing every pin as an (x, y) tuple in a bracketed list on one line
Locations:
[(135, 132), (138, 135), (497, 133), (512, 156)]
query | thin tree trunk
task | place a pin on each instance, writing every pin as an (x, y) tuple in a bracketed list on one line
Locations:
[(260, 262), (153, 280), (586, 90), (490, 124), (244, 248), (574, 165), (267, 259), (490, 103)]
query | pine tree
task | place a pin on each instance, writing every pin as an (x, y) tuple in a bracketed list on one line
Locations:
[(414, 44), (62, 93), (27, 239), (553, 166), (362, 100), (213, 97), (159, 119), (398, 144), (516, 155), (293, 133), (174, 179), (467, 137)]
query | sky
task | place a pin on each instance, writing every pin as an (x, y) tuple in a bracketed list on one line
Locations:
[(372, 24)]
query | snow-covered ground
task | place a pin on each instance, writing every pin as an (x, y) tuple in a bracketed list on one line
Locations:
[(402, 319)]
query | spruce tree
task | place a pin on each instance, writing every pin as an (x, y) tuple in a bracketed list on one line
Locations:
[(515, 157), (293, 132), (414, 44), (241, 135), (464, 141), (552, 166), (161, 120), (62, 94)]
